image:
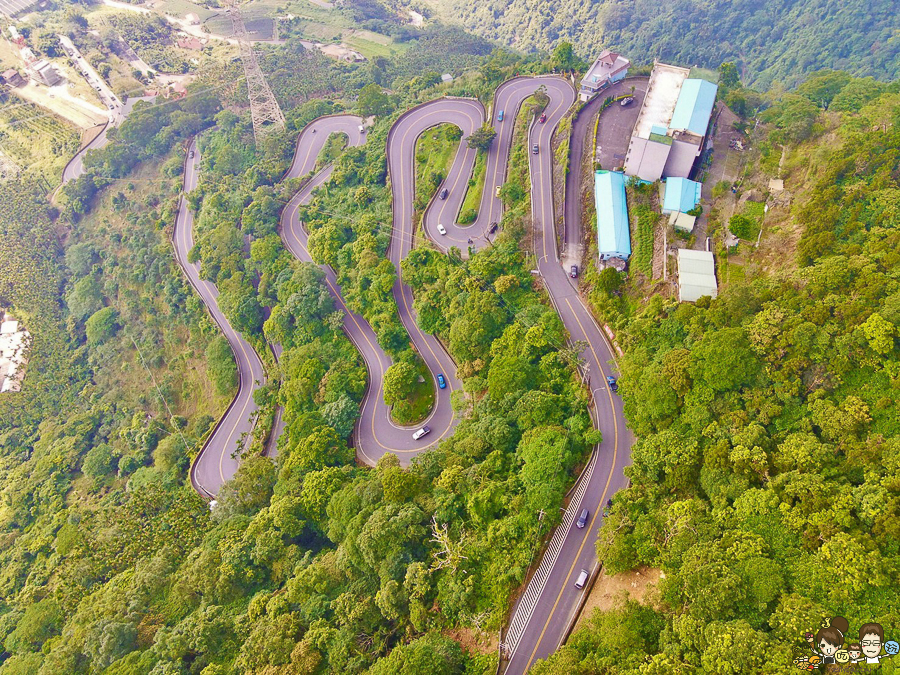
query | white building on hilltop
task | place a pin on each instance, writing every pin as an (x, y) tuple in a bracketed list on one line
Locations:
[(608, 68), (668, 135)]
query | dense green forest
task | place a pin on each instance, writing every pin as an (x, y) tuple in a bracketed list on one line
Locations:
[(772, 42), (764, 482), (764, 479), (310, 564)]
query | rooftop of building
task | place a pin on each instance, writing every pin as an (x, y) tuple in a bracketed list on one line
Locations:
[(696, 275), (613, 236), (694, 106), (607, 64), (661, 98), (680, 194)]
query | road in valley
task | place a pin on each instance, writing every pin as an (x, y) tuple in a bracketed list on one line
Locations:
[(217, 462)]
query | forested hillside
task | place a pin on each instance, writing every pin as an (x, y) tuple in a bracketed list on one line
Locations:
[(312, 564), (765, 477), (771, 41)]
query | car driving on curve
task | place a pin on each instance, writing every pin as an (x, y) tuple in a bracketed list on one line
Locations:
[(613, 384), (421, 432), (442, 383), (500, 116), (628, 100), (443, 193), (191, 155), (441, 229), (493, 228), (534, 149), (542, 118)]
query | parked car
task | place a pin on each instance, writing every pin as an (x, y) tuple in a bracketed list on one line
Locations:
[(421, 432), (443, 193), (493, 228), (534, 149), (582, 519), (582, 579), (500, 116), (628, 100), (441, 229), (542, 118), (573, 271), (442, 383), (613, 384), (497, 191)]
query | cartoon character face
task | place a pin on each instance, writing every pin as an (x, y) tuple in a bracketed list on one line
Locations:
[(871, 645), (842, 656), (829, 649), (854, 654), (892, 647)]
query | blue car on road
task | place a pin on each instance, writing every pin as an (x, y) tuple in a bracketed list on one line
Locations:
[(442, 383), (611, 381)]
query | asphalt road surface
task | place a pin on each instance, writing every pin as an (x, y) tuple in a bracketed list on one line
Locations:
[(217, 460), (541, 616)]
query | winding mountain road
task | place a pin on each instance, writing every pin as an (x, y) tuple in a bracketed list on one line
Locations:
[(543, 612), (217, 460)]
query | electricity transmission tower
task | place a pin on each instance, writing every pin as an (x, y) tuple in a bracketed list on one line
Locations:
[(264, 109)]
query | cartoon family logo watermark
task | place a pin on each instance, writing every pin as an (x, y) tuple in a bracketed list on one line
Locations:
[(831, 644)]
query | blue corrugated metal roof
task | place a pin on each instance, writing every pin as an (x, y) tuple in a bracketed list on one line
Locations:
[(694, 106), (681, 195), (613, 236)]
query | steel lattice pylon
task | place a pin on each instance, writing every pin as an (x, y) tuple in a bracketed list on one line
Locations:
[(264, 109)]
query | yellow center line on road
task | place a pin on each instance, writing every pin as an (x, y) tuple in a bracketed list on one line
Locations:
[(590, 526)]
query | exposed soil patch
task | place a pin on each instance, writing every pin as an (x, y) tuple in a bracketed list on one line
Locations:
[(474, 641), (610, 590)]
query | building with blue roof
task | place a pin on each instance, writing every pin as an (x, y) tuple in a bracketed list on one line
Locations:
[(613, 234), (681, 195), (694, 106), (668, 135)]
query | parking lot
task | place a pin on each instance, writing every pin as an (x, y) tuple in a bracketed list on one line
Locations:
[(616, 124)]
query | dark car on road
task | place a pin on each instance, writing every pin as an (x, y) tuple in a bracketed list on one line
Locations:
[(628, 100), (582, 519), (493, 228), (192, 154), (573, 271), (613, 384), (542, 118), (534, 149), (443, 193), (442, 383)]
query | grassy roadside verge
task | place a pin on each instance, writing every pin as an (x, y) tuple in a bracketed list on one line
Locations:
[(334, 146), (435, 150), (420, 402), (468, 212)]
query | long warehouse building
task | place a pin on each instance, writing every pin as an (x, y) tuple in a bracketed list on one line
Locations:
[(613, 235)]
